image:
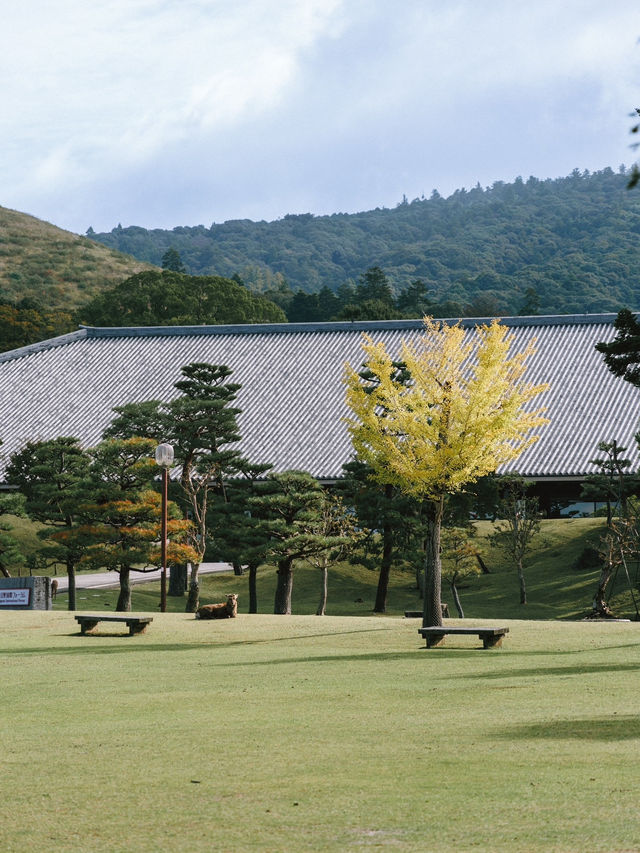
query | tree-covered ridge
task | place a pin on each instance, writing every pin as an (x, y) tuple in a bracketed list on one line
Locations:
[(568, 245)]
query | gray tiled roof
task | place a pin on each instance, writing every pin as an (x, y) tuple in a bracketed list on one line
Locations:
[(292, 396)]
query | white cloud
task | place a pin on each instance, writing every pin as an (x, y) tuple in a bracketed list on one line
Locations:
[(165, 112)]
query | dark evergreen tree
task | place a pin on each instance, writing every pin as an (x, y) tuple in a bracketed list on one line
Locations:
[(52, 475), (622, 354), (122, 514), (201, 425), (374, 285), (236, 526), (394, 523), (613, 485), (172, 261), (414, 301), (171, 298), (11, 555), (290, 505)]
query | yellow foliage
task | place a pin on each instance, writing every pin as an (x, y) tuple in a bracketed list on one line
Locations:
[(466, 411)]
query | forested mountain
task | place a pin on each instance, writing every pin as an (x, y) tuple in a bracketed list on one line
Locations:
[(568, 245)]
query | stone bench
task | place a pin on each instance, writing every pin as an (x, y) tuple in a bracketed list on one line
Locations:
[(490, 636), (135, 624)]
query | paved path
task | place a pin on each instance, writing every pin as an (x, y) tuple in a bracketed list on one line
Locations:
[(103, 580)]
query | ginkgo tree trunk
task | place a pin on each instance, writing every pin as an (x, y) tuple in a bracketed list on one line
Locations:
[(466, 410)]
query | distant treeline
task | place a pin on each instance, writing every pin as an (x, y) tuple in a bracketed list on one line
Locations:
[(568, 245), (561, 246)]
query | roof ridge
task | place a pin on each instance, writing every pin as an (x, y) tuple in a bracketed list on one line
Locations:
[(50, 343), (342, 325), (294, 328)]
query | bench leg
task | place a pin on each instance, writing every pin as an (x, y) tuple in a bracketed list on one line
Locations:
[(87, 626), (491, 642), (435, 640), (136, 629)]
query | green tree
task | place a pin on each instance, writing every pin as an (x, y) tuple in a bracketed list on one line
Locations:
[(453, 423), (460, 559), (122, 514), (612, 485), (201, 424), (171, 298), (394, 525), (172, 261), (11, 554), (414, 300), (336, 522), (52, 476), (622, 354), (290, 506), (518, 526), (236, 529), (374, 285)]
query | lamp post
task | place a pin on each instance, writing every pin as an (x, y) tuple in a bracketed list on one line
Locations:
[(164, 458)]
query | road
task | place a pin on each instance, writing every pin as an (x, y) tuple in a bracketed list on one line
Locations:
[(103, 580)]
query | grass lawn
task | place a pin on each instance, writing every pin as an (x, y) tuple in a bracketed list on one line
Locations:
[(271, 733)]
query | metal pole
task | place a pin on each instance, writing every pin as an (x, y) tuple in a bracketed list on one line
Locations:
[(163, 534)]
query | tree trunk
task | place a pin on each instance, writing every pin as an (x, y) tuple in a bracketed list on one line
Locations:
[(432, 610), (523, 588), (193, 599), (238, 568), (324, 586), (483, 565), (253, 589), (284, 588), (71, 574), (600, 606), (177, 581), (5, 572), (380, 605), (124, 599), (456, 598)]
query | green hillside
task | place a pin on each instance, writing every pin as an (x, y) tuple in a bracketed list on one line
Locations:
[(568, 245), (57, 268), (557, 588)]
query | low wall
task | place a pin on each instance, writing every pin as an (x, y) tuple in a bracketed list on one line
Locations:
[(25, 594)]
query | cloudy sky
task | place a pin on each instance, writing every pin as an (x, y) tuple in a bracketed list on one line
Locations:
[(183, 112)]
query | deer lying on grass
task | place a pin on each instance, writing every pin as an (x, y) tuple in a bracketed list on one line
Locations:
[(225, 610)]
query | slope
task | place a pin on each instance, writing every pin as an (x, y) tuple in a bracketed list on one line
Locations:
[(58, 268)]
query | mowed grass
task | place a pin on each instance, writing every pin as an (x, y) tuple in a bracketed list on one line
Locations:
[(277, 733)]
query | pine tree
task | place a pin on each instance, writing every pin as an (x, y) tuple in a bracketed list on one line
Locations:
[(52, 476), (290, 505), (122, 514)]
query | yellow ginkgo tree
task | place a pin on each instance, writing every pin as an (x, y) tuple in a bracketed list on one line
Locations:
[(465, 410)]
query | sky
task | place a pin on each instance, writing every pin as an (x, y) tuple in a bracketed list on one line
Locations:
[(162, 113)]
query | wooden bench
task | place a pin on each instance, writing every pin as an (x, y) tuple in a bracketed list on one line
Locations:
[(135, 624), (490, 636)]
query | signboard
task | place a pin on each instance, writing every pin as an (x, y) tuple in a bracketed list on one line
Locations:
[(15, 597)]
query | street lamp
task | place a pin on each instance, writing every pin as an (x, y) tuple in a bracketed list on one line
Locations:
[(164, 458)]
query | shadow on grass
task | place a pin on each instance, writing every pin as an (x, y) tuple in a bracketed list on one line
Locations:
[(559, 671), (620, 727), (88, 646)]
